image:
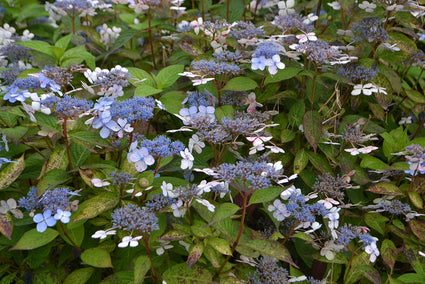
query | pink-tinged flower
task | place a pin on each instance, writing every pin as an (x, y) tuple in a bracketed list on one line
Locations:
[(189, 74), (328, 203), (306, 37), (275, 149), (97, 182), (279, 210), (196, 144), (310, 19), (258, 140), (274, 64), (251, 102), (129, 240)]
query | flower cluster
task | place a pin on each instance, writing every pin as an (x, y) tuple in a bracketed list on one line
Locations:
[(267, 54)]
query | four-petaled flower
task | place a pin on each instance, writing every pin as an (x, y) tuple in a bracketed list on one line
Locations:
[(187, 162), (44, 220), (101, 234), (129, 240)]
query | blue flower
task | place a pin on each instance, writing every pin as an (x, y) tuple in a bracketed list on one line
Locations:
[(44, 220)]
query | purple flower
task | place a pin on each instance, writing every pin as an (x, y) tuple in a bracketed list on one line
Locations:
[(44, 220), (140, 156)]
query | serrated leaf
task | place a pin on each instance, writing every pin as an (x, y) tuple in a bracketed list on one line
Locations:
[(34, 239), (122, 39), (388, 253), (63, 42), (296, 113), (225, 111), (138, 75), (283, 74), (142, 264), (75, 234), (213, 256), (403, 42), (319, 162), (236, 10), (266, 195), (385, 188), (167, 76), (223, 211), (301, 161), (415, 96), (47, 121), (79, 276), (97, 257), (240, 84), (91, 138), (6, 225), (96, 205), (220, 245), (179, 274), (312, 124), (195, 253), (358, 271), (11, 172), (15, 134), (416, 199)]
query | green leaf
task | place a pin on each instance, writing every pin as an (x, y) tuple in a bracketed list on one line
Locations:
[(319, 162), (80, 52), (34, 239), (376, 221), (411, 278), (312, 123), (15, 134), (403, 42), (283, 74), (195, 254), (97, 257), (75, 234), (79, 276), (372, 162), (63, 42), (385, 188), (266, 195), (240, 84), (415, 96), (389, 253), (416, 199), (51, 179), (271, 248), (122, 39), (286, 135), (179, 274), (138, 75), (79, 154), (142, 264), (6, 225), (167, 76), (38, 45), (223, 211), (172, 101), (144, 90), (96, 205), (224, 112), (57, 160), (47, 121), (296, 113), (220, 245), (31, 11), (236, 9), (358, 271), (11, 172), (89, 138), (301, 161), (174, 235), (418, 229)]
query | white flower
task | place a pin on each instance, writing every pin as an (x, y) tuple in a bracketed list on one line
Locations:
[(196, 144), (287, 179), (368, 7), (344, 32), (328, 203), (167, 190), (335, 5), (275, 149), (63, 216), (288, 192), (129, 240), (405, 120), (372, 250), (333, 217), (164, 245), (366, 89), (306, 37), (103, 234), (386, 45), (274, 64), (286, 7), (310, 19), (187, 162), (394, 7), (178, 209), (330, 248), (207, 204)]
